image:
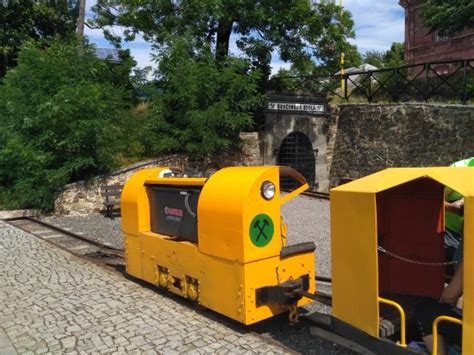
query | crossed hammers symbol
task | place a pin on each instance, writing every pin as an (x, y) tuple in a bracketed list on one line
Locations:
[(261, 229)]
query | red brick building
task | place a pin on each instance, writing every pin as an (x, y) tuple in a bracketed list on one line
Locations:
[(423, 46)]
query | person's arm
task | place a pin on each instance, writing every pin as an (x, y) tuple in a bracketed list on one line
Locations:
[(454, 289), (456, 207)]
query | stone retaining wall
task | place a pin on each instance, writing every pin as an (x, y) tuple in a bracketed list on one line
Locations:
[(84, 197), (371, 137), (18, 214)]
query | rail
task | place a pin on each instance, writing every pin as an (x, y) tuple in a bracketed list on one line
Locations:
[(403, 341), (435, 329), (434, 81), (76, 244)]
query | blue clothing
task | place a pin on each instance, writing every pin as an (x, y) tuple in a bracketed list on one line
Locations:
[(459, 253)]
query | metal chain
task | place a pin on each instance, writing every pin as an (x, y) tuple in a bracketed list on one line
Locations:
[(294, 315), (407, 260)]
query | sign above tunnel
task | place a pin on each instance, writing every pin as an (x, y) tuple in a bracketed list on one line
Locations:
[(296, 107)]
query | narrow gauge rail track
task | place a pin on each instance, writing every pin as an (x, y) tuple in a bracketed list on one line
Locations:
[(98, 252), (71, 242), (314, 194)]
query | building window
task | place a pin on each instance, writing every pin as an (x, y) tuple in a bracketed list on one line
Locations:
[(441, 38)]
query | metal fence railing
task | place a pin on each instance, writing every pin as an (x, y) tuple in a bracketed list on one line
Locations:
[(443, 81)]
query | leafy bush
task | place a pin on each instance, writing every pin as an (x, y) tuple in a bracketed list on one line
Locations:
[(57, 108), (201, 105)]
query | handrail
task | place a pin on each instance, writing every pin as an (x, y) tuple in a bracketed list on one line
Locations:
[(378, 70), (403, 341), (293, 194), (435, 329), (286, 171), (392, 83)]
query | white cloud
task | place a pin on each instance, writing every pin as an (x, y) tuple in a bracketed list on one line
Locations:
[(378, 23)]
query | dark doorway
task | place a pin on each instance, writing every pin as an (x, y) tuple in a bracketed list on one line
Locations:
[(296, 151)]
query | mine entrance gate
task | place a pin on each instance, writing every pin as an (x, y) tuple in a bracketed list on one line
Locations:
[(296, 151)]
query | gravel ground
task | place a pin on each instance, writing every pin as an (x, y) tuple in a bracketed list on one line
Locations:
[(94, 226), (307, 219)]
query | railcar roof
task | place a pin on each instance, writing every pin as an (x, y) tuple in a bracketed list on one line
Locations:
[(457, 178)]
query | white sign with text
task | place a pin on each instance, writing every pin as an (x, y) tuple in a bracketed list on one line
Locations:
[(287, 106)]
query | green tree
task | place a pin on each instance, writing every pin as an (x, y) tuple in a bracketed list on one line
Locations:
[(394, 57), (448, 16), (23, 20), (201, 106), (57, 112), (300, 31)]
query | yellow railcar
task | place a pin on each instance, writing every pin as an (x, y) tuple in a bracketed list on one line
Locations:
[(387, 235), (219, 241)]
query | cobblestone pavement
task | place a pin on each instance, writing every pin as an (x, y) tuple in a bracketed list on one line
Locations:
[(54, 302)]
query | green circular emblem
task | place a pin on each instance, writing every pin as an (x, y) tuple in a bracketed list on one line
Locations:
[(261, 230)]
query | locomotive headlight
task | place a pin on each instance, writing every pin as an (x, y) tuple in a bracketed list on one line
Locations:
[(268, 190)]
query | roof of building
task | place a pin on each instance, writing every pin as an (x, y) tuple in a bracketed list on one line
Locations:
[(109, 54), (361, 68)]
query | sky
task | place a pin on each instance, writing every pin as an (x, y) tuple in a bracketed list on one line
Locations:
[(378, 23)]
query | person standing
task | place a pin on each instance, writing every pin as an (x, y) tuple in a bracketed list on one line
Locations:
[(454, 217)]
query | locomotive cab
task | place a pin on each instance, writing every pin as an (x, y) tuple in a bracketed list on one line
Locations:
[(388, 250), (218, 241)]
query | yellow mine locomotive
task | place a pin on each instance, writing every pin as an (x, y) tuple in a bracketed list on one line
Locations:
[(219, 241)]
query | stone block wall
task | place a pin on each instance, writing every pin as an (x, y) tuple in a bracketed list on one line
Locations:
[(371, 137), (331, 134), (84, 197)]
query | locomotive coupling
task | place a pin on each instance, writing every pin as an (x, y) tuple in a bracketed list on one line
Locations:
[(285, 293)]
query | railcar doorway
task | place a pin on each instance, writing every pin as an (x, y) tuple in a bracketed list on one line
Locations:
[(296, 151)]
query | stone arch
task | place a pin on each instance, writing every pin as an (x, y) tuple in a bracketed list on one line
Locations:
[(285, 114), (296, 151)]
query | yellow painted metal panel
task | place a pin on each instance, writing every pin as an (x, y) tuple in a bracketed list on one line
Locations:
[(256, 205), (176, 181), (227, 287), (354, 259), (134, 205), (133, 263), (229, 201), (219, 279), (381, 180), (135, 211), (468, 307), (162, 250), (460, 179), (221, 287)]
